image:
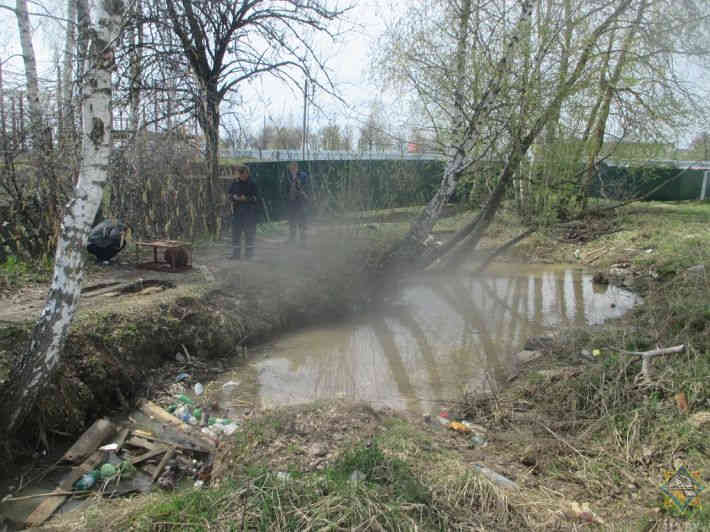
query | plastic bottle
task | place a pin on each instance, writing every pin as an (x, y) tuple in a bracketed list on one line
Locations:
[(87, 481), (199, 389), (108, 470), (181, 411), (230, 429), (185, 399)]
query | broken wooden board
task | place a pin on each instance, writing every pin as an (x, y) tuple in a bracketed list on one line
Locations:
[(122, 437), (148, 455), (152, 410), (48, 506), (135, 441), (100, 431), (185, 443), (166, 458)]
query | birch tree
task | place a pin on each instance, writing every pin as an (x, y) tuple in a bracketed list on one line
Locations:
[(66, 103), (39, 133), (527, 65), (35, 369)]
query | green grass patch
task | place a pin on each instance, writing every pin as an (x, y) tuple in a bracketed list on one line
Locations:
[(15, 272)]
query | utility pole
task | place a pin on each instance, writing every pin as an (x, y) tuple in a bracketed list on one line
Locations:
[(305, 116)]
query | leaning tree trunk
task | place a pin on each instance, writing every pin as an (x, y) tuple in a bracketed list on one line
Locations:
[(467, 238), (35, 369), (411, 252)]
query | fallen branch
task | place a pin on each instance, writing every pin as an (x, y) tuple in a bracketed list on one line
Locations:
[(646, 357), (561, 439), (60, 493)]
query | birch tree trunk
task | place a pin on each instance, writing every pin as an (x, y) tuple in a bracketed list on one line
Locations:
[(412, 250), (468, 237), (67, 103), (28, 57), (34, 370)]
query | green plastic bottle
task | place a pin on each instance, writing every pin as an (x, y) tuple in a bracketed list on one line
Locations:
[(185, 399), (108, 471), (87, 481)]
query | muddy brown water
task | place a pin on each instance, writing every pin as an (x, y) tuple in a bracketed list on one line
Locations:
[(439, 338)]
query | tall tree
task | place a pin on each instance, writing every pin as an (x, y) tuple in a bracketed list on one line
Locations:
[(66, 103), (33, 370), (330, 137), (226, 42), (494, 116), (529, 68)]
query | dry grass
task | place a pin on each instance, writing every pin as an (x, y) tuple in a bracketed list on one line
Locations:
[(378, 472)]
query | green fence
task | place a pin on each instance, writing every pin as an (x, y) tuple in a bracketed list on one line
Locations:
[(650, 182), (351, 185)]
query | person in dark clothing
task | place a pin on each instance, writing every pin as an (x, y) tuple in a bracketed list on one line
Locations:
[(106, 239), (244, 195), (297, 201)]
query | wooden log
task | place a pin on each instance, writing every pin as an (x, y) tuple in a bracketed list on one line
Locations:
[(100, 431), (48, 506), (152, 410), (166, 458)]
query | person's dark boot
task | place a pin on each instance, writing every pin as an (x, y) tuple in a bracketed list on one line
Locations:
[(235, 256)]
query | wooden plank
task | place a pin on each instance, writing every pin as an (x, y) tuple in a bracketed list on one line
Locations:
[(152, 410), (186, 445), (166, 458), (135, 441), (48, 506), (148, 455), (122, 437), (100, 431)]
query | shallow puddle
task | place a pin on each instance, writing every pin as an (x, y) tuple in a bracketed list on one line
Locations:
[(439, 338)]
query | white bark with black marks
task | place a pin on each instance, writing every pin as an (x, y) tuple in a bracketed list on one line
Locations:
[(39, 363), (28, 57)]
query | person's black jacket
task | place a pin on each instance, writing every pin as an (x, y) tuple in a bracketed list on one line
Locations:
[(107, 239), (244, 188)]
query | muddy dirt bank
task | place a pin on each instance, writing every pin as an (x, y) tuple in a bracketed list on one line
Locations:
[(124, 347)]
